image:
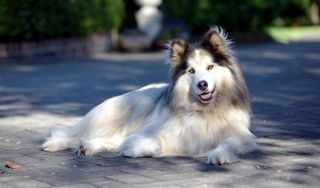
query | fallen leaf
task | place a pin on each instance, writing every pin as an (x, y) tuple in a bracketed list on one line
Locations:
[(12, 165)]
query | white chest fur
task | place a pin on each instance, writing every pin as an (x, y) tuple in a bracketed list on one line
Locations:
[(192, 133)]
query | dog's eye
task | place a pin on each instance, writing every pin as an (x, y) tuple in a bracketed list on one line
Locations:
[(209, 67), (191, 71)]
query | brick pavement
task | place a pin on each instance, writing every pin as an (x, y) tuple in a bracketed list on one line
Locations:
[(37, 94)]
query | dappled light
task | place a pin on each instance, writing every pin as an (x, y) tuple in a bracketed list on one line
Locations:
[(51, 87), (283, 81), (60, 59)]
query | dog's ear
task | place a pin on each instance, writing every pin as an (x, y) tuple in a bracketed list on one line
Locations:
[(178, 52), (215, 41)]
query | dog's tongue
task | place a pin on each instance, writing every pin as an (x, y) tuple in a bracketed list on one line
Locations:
[(206, 96)]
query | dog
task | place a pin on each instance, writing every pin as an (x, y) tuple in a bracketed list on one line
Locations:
[(204, 110)]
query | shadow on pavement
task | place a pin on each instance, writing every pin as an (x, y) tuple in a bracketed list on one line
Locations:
[(71, 87), (283, 81)]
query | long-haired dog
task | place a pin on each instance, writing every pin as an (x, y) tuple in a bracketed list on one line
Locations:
[(204, 110)]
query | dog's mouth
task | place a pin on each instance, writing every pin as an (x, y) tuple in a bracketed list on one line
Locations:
[(206, 96)]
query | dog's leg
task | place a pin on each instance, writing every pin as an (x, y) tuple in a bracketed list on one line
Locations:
[(140, 146), (60, 140), (227, 151), (93, 146)]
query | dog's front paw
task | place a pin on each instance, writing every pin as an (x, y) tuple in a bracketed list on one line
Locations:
[(221, 156), (137, 151), (138, 146), (131, 152)]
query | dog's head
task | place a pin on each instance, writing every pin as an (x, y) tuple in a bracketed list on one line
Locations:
[(203, 72)]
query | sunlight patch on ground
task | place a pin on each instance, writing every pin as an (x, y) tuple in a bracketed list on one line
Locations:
[(40, 122), (289, 34)]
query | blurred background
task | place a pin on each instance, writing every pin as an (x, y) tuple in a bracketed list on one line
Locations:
[(60, 58), (35, 27)]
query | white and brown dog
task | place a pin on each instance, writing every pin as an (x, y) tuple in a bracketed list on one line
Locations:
[(204, 110)]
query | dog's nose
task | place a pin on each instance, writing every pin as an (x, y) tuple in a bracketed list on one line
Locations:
[(203, 85)]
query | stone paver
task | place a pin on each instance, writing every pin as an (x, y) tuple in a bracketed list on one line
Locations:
[(38, 94)]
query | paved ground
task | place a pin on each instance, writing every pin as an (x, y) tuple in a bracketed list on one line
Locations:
[(38, 94)]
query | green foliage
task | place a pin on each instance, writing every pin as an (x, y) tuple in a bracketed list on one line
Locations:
[(37, 19), (296, 12), (235, 15)]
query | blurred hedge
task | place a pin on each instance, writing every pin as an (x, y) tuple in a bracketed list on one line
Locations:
[(236, 15), (37, 19)]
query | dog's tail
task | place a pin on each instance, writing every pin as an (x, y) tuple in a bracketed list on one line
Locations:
[(60, 140)]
